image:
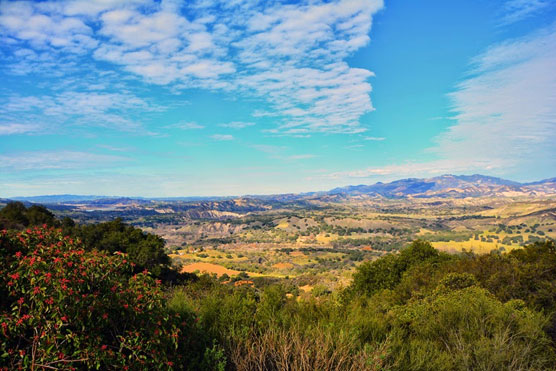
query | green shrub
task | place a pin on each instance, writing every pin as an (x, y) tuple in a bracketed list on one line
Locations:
[(468, 329), (65, 307)]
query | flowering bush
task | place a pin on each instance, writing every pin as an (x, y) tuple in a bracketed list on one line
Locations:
[(62, 307)]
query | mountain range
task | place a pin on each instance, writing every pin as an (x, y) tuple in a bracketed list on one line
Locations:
[(445, 186), (456, 186)]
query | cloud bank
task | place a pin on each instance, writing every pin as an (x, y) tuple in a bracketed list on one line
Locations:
[(292, 56)]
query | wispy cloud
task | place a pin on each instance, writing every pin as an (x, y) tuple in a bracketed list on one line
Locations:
[(291, 55), (517, 10), (420, 169), (305, 156), (47, 160), (237, 125), (185, 126), (222, 137), (376, 139), (279, 152), (17, 128), (71, 108), (506, 110), (504, 116)]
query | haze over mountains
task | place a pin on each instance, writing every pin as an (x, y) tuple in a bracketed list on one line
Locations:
[(444, 186)]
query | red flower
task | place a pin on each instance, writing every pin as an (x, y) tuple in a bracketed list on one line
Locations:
[(18, 254), (170, 363), (126, 306), (105, 316), (64, 318), (14, 276), (103, 347), (21, 300), (36, 290)]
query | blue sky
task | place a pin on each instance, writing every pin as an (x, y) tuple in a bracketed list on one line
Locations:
[(207, 97)]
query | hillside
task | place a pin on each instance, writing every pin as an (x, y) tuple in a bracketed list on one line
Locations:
[(456, 186)]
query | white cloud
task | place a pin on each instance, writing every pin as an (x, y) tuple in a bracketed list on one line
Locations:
[(291, 55), (17, 128), (237, 124), (71, 108), (506, 111), (374, 138), (185, 126), (504, 117), (300, 157), (222, 137), (47, 160), (44, 27), (420, 169), (517, 10)]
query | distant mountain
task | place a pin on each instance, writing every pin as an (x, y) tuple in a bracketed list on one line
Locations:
[(445, 186), (457, 186), (52, 199)]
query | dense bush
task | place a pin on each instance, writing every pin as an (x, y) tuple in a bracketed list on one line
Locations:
[(385, 273), (64, 307), (146, 250), (16, 216), (468, 329)]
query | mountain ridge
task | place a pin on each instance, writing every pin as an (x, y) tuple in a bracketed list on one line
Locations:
[(444, 186)]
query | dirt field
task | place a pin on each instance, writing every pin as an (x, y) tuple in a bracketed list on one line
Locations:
[(209, 268)]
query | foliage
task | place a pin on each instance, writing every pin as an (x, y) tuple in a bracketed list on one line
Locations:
[(468, 329), (65, 307), (16, 216), (146, 250), (385, 273)]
